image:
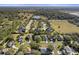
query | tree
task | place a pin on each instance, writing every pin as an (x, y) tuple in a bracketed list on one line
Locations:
[(1, 38), (36, 52), (38, 40), (67, 40), (20, 53), (27, 38), (9, 39), (34, 45), (10, 51), (25, 49), (1, 47), (50, 47)]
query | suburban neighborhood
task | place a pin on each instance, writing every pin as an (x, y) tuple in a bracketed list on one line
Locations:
[(38, 32)]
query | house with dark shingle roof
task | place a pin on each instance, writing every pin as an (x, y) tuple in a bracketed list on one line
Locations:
[(21, 29), (68, 50)]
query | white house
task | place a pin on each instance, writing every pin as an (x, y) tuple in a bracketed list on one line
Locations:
[(36, 17)]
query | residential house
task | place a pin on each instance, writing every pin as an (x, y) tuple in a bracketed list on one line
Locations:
[(36, 17)]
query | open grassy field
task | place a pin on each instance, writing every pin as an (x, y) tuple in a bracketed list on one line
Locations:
[(63, 26)]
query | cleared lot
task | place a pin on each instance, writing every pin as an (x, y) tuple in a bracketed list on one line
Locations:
[(63, 26)]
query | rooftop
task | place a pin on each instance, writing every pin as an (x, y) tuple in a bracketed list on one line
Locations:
[(36, 17)]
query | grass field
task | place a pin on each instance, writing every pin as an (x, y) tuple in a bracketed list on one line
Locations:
[(63, 26)]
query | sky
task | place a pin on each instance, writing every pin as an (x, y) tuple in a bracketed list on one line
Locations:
[(39, 1)]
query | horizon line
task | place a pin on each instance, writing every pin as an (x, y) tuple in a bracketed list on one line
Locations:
[(39, 5)]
